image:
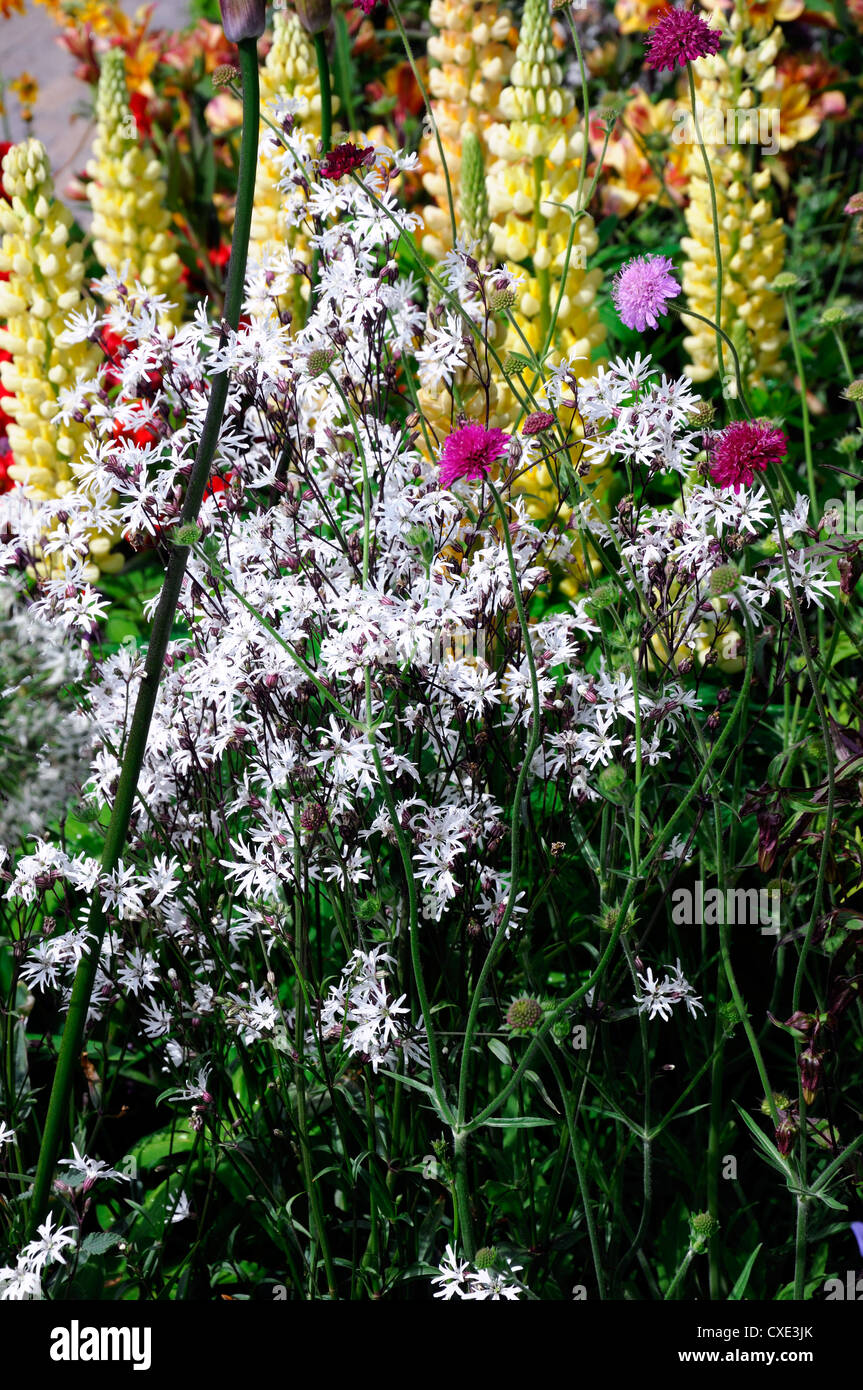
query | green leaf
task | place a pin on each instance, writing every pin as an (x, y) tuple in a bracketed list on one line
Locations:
[(768, 1150), (517, 1122), (97, 1242), (743, 1277), (500, 1050)]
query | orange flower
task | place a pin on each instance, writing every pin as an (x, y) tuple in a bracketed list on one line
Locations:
[(636, 16), (8, 6), (628, 178), (26, 88)]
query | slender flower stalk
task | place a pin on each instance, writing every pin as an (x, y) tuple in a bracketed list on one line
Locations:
[(115, 839)]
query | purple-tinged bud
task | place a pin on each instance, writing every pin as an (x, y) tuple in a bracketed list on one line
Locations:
[(314, 15), (243, 19)]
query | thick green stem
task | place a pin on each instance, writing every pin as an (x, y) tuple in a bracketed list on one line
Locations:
[(121, 814), (326, 90)]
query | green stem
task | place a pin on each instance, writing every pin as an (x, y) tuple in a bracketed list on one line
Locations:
[(717, 250), (121, 814), (326, 90)]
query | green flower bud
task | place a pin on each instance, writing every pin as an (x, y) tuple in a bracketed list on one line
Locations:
[(319, 360), (474, 197), (486, 1258), (703, 1227), (723, 579), (187, 534), (524, 1013), (834, 316), (603, 596), (786, 280)]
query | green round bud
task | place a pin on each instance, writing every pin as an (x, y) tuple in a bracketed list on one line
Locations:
[(702, 414), (703, 1227), (368, 908), (524, 1013), (833, 316), (515, 362), (319, 360), (786, 280), (723, 579), (500, 300), (849, 443), (854, 392), (186, 534), (603, 596), (486, 1257), (560, 1029)]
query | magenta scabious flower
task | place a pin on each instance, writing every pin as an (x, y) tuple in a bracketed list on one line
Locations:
[(367, 5), (470, 452), (742, 448), (641, 290), (679, 38)]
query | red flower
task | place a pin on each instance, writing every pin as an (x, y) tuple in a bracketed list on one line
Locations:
[(140, 107), (743, 447), (344, 159)]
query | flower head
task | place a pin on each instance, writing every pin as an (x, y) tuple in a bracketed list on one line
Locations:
[(641, 290), (344, 159), (854, 204), (537, 422), (367, 5), (679, 38), (470, 452), (743, 447)]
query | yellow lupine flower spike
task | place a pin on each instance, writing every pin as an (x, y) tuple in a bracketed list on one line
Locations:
[(46, 271), (472, 51), (127, 190), (728, 85), (539, 147), (289, 70)]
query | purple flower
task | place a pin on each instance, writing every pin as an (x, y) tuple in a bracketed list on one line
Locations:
[(641, 289), (857, 1228), (679, 38), (243, 19), (470, 452)]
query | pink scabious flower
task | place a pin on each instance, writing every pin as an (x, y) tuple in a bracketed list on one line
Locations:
[(679, 38), (537, 422), (854, 204), (641, 290), (743, 447), (470, 452), (367, 5)]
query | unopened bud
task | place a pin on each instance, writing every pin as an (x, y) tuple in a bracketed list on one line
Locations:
[(314, 15), (243, 19)]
